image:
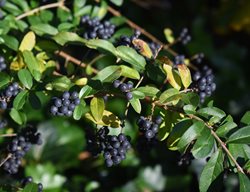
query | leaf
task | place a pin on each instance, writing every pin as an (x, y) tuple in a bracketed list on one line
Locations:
[(178, 130), (169, 35), (103, 10), (101, 45), (108, 74), (189, 109), (129, 72), (136, 104), (62, 83), (149, 91), (10, 42), (30, 187), (28, 42), (131, 56), (85, 91), (16, 116), (226, 126), (203, 145), (246, 118), (143, 48), (185, 75), (211, 111), (117, 2), (32, 64), (138, 94), (97, 107), (20, 99), (191, 134), (4, 79), (42, 28), (25, 78), (78, 112), (211, 171), (64, 37), (172, 77), (108, 119), (244, 182), (191, 98), (242, 135), (170, 95), (81, 81)]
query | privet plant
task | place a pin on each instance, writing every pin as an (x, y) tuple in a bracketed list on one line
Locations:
[(42, 78)]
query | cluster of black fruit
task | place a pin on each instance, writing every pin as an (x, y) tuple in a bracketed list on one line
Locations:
[(19, 146), (184, 36), (97, 29), (204, 82), (3, 123), (148, 127), (125, 88), (25, 181), (7, 94), (2, 63), (179, 59), (65, 105), (128, 41), (198, 58), (114, 147)]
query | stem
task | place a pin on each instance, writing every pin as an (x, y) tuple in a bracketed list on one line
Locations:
[(74, 60), (9, 135), (38, 9), (6, 159)]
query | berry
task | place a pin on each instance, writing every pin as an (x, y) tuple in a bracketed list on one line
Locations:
[(66, 95), (184, 36), (130, 85), (158, 120), (123, 87), (129, 95), (116, 83), (149, 134), (3, 65)]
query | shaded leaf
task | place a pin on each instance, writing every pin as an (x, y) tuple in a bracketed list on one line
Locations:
[(20, 99), (244, 183), (242, 135), (97, 107), (64, 37), (25, 78), (172, 76), (185, 75), (136, 104), (246, 118), (109, 74)]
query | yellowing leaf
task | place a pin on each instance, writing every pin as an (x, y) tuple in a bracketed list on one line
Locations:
[(17, 64), (81, 81), (143, 47), (97, 107), (28, 41), (169, 35), (172, 77), (185, 75)]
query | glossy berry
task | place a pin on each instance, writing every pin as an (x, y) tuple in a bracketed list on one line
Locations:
[(184, 36), (7, 95), (3, 65), (149, 134), (129, 95)]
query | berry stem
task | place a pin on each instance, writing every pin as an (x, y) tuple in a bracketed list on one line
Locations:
[(6, 159), (9, 135), (48, 6)]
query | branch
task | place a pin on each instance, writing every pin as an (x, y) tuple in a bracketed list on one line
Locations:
[(38, 9), (8, 135), (6, 159)]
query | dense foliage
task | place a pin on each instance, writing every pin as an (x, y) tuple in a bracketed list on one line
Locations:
[(87, 96)]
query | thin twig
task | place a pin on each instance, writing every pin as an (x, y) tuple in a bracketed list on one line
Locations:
[(6, 159), (9, 135), (38, 9)]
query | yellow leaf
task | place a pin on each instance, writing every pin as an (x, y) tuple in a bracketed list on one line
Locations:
[(185, 75), (28, 41), (169, 35), (17, 64), (143, 48), (81, 81), (172, 76)]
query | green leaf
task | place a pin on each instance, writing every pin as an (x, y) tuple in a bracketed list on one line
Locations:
[(185, 75), (226, 126), (170, 95), (189, 109), (32, 64), (10, 42), (203, 145), (97, 107), (136, 104), (242, 135), (211, 171), (101, 45), (172, 77), (138, 94), (211, 111), (30, 187), (117, 2), (20, 99), (246, 118), (62, 83), (28, 41), (42, 28), (64, 37), (108, 74), (131, 56), (129, 72), (178, 130), (4, 79), (78, 112), (191, 98), (25, 78), (17, 116), (85, 91), (103, 10), (191, 134), (244, 182), (149, 91)]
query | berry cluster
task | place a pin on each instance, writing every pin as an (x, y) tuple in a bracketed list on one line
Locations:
[(184, 36), (125, 88), (149, 128), (114, 147), (204, 82), (65, 105), (3, 123), (154, 48), (8, 93), (25, 181), (179, 59), (3, 65), (97, 29), (198, 58), (19, 146)]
